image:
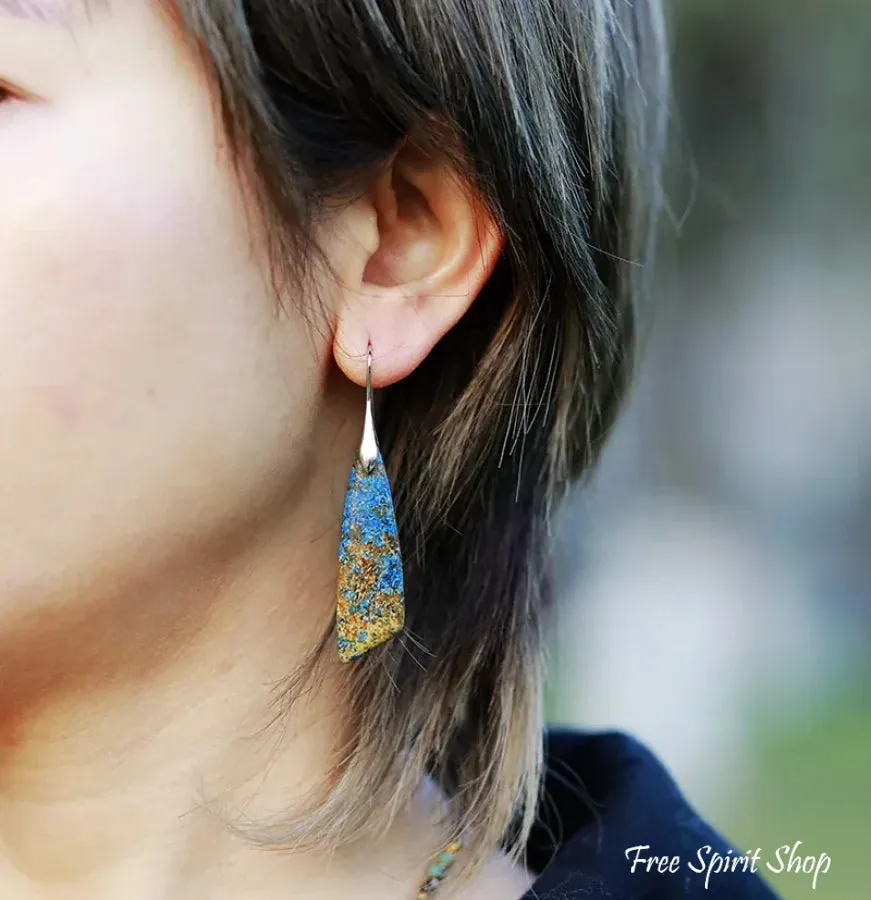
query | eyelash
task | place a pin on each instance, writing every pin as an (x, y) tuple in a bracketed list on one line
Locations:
[(7, 95), (6, 90)]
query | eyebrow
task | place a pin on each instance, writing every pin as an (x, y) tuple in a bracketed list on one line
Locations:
[(35, 10)]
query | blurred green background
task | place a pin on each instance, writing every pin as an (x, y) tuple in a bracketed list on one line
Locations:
[(716, 573)]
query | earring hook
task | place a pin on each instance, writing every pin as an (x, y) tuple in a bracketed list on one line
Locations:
[(368, 445)]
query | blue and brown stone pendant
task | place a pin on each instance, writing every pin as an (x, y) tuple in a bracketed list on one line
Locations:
[(371, 605)]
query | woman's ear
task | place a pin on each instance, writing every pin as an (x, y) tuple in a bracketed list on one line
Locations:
[(425, 247)]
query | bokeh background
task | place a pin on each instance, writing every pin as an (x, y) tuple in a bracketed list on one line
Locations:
[(716, 572)]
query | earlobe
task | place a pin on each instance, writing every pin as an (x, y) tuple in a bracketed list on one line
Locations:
[(400, 332), (437, 247)]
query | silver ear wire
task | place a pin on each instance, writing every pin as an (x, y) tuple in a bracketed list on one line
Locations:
[(368, 445)]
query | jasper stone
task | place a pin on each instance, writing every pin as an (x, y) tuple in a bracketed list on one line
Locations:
[(370, 607)]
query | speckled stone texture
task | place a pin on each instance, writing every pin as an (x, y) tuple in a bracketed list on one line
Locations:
[(370, 607)]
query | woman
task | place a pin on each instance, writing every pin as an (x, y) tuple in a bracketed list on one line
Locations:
[(219, 219)]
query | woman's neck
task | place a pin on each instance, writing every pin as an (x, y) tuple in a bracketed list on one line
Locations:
[(135, 723)]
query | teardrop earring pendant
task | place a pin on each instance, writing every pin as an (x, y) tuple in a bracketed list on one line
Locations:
[(371, 602)]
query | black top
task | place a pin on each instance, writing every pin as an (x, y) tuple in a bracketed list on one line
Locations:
[(605, 794)]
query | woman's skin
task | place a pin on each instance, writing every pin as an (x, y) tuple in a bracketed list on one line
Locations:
[(173, 459)]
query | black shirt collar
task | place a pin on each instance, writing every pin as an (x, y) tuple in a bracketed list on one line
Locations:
[(603, 794)]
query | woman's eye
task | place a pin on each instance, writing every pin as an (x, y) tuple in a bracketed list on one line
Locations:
[(6, 90), (6, 94)]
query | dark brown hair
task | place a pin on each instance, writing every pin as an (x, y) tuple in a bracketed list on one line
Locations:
[(552, 111)]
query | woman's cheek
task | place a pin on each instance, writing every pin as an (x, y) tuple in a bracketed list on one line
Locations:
[(89, 230), (119, 309)]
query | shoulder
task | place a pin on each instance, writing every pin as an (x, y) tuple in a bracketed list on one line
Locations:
[(613, 823)]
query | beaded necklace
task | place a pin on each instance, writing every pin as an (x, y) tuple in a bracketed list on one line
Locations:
[(437, 871)]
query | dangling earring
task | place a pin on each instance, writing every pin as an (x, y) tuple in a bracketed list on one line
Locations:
[(371, 603)]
